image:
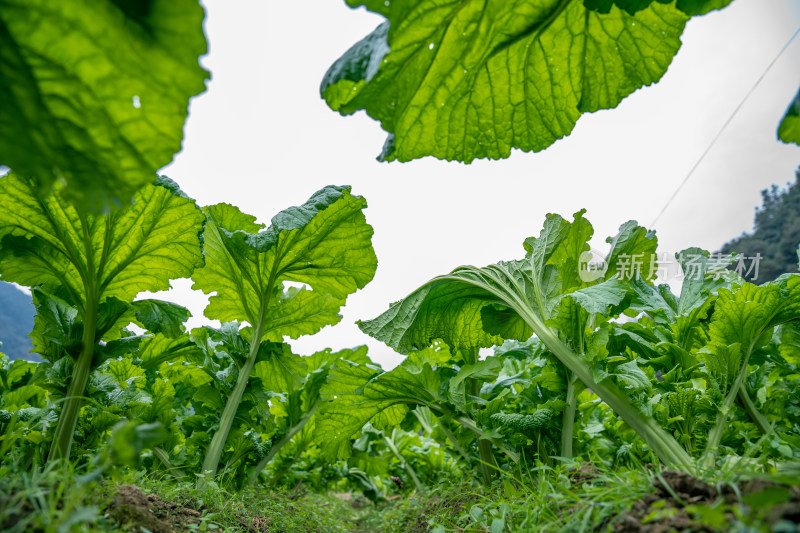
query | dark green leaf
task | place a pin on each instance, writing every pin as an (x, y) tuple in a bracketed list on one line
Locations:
[(690, 7), (158, 316), (56, 329)]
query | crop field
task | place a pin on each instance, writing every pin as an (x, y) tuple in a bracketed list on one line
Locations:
[(556, 388)]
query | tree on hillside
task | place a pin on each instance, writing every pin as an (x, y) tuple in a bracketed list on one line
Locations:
[(776, 234)]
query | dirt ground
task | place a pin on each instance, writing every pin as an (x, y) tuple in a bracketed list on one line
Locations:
[(130, 506), (674, 491)]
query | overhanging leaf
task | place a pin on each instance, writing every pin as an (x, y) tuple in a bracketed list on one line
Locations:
[(96, 92), (444, 308), (467, 79)]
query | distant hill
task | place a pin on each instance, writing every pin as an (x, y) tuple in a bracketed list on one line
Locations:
[(775, 237), (16, 321)]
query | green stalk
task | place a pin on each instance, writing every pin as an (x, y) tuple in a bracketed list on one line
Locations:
[(568, 422), (752, 411), (287, 462), (217, 445), (485, 452), (273, 451), (62, 439), (715, 435), (406, 466), (472, 426), (488, 465)]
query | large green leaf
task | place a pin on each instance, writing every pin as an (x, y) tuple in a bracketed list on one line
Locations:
[(159, 348), (325, 244), (353, 397), (328, 357), (96, 92), (598, 298), (470, 79), (789, 129), (449, 307), (47, 242), (745, 315)]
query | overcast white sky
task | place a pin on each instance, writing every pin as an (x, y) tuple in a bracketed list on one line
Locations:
[(261, 138)]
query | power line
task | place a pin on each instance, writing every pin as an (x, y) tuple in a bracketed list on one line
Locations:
[(724, 126)]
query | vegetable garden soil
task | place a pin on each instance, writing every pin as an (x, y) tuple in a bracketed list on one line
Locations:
[(132, 507), (665, 509), (677, 502)]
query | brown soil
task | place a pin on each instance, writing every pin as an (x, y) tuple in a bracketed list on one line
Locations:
[(130, 506), (582, 473), (677, 490)]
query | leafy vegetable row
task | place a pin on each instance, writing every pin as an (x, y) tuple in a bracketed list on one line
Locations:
[(682, 356), (86, 269), (686, 370)]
